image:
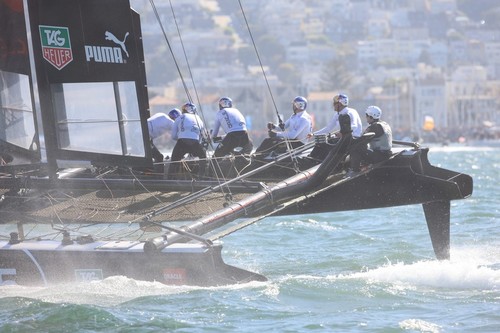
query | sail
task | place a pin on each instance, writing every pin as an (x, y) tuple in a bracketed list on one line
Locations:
[(87, 78), (17, 123), (13, 43)]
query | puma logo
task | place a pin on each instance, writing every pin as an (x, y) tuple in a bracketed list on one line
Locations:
[(109, 36)]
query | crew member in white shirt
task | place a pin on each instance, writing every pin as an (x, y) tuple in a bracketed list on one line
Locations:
[(295, 130), (158, 125), (340, 103), (297, 126), (187, 130), (233, 123)]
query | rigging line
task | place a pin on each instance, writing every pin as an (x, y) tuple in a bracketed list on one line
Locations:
[(186, 59), (123, 233), (260, 62), (294, 157), (141, 185), (253, 220), (189, 70), (278, 208), (26, 234), (201, 193), (205, 134), (153, 6), (50, 199), (280, 121)]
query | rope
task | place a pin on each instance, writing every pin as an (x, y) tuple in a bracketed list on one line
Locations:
[(205, 135), (189, 70), (153, 6), (260, 62), (280, 121)]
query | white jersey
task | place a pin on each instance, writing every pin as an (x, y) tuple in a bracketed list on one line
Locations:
[(187, 126), (334, 126), (159, 124), (230, 119), (297, 127)]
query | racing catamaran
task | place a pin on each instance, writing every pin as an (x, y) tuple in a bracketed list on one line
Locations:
[(80, 199)]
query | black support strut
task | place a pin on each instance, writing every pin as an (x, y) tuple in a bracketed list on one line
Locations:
[(437, 215)]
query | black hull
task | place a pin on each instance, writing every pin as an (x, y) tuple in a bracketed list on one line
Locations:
[(173, 258), (50, 262), (406, 179)]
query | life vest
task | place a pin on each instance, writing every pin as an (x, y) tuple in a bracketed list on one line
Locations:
[(383, 142)]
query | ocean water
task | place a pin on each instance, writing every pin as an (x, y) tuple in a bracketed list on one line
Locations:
[(360, 271)]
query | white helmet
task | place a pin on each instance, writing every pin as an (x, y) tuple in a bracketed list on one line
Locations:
[(374, 112), (225, 102)]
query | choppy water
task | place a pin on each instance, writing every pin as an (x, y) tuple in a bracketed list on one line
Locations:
[(362, 271)]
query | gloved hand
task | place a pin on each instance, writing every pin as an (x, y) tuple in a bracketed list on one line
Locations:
[(270, 126), (205, 142), (282, 125)]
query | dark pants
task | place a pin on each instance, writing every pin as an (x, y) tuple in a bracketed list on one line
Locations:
[(157, 155), (362, 154), (320, 150), (233, 140), (277, 145), (187, 146)]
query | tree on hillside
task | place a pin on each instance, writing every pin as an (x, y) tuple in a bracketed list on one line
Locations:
[(247, 56), (160, 67), (336, 75), (271, 52), (288, 74)]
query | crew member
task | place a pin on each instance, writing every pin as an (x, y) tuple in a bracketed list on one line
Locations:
[(340, 106), (158, 125), (187, 130), (294, 130), (379, 147), (233, 123)]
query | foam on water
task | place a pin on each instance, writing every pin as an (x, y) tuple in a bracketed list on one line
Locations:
[(419, 325), (468, 269), (110, 291)]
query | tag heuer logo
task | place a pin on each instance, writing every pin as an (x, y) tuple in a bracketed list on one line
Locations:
[(56, 45)]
